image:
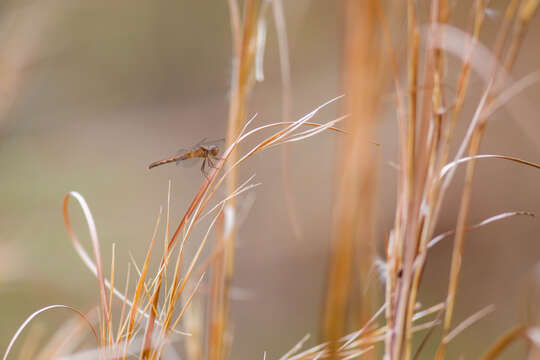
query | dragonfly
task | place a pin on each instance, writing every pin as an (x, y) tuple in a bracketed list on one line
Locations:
[(204, 149)]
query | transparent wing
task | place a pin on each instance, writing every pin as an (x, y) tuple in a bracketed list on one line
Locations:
[(205, 142), (187, 149), (218, 142), (188, 162), (200, 143)]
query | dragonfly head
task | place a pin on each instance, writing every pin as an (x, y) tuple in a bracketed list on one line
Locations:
[(213, 149)]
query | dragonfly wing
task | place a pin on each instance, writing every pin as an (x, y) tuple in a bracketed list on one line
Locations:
[(200, 143), (219, 143), (188, 162)]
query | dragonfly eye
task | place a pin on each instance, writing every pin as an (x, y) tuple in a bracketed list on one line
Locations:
[(214, 150)]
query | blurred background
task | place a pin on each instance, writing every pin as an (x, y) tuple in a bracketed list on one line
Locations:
[(92, 92)]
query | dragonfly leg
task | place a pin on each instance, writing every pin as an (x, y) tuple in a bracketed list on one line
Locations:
[(211, 163), (203, 168)]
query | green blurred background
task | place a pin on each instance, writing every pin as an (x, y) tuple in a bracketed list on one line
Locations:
[(92, 92)]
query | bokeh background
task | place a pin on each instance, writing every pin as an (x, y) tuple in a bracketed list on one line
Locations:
[(92, 92)]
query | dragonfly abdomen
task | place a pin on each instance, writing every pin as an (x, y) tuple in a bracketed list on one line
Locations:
[(160, 162), (169, 160)]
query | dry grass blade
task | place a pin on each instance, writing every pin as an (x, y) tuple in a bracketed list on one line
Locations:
[(352, 214), (179, 317), (241, 84), (245, 186), (295, 348), (433, 309), (141, 283), (468, 322), (484, 222), (512, 91), (315, 352), (277, 138), (357, 353), (352, 337), (180, 286), (187, 302), (309, 133), (505, 340), (428, 335), (122, 322), (40, 311), (455, 163), (68, 337), (110, 334), (97, 269), (286, 111), (234, 13)]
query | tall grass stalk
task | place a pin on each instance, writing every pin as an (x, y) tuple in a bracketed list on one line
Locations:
[(244, 49), (353, 213)]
